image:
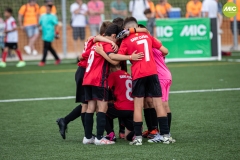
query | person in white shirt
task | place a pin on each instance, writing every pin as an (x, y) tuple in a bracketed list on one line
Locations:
[(210, 8), (137, 8), (79, 11), (11, 39)]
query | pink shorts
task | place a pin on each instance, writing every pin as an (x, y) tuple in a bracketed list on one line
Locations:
[(165, 85)]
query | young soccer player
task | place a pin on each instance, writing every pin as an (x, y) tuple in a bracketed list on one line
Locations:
[(145, 79), (96, 88), (48, 22), (2, 28), (11, 39), (80, 110)]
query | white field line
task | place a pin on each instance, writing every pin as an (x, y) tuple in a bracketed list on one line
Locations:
[(72, 97)]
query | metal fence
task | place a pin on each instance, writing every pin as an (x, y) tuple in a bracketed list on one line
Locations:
[(227, 37)]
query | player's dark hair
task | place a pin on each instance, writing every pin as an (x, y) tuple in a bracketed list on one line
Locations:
[(118, 21), (104, 27), (9, 10), (128, 20), (50, 6), (147, 11), (141, 26), (113, 29)]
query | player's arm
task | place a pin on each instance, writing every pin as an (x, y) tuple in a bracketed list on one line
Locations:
[(14, 26), (99, 38), (134, 57), (99, 50), (164, 50)]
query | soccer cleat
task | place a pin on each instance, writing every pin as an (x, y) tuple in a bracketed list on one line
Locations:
[(137, 141), (41, 64), (57, 62), (27, 49), (103, 141), (111, 137), (3, 64), (158, 138), (152, 134), (21, 64), (62, 127), (88, 141), (121, 135), (145, 134)]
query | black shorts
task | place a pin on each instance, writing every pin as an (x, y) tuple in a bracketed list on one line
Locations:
[(11, 45), (125, 115), (238, 27), (80, 93), (147, 87), (96, 93), (79, 32)]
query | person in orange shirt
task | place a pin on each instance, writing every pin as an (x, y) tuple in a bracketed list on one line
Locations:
[(237, 16), (152, 7), (193, 8), (28, 20), (43, 9), (162, 9)]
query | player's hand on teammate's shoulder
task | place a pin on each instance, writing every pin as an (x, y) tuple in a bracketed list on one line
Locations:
[(137, 56), (99, 48)]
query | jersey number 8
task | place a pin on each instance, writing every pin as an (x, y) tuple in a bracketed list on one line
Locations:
[(129, 89)]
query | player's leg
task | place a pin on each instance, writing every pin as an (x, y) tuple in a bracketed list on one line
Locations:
[(57, 60), (21, 63), (89, 139), (154, 90), (45, 52), (138, 92), (4, 56), (121, 129), (148, 120), (110, 115)]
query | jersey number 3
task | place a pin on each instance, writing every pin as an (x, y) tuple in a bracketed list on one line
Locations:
[(129, 89), (146, 48), (90, 61)]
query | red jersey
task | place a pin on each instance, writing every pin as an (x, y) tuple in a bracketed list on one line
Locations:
[(97, 68), (120, 82), (141, 42), (87, 48)]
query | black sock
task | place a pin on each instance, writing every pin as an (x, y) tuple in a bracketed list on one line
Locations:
[(83, 119), (76, 112), (108, 126), (138, 128), (101, 122), (148, 119), (121, 127), (169, 116), (163, 125), (154, 118), (88, 125), (130, 136)]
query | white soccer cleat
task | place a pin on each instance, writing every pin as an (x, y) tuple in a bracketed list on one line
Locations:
[(103, 141), (27, 49), (88, 141), (137, 141), (167, 139), (158, 138)]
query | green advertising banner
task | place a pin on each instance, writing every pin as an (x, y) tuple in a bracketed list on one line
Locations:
[(185, 38)]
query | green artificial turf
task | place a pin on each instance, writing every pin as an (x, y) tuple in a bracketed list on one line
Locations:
[(205, 125)]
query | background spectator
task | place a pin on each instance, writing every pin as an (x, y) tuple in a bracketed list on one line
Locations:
[(43, 9), (194, 8), (48, 22), (11, 39), (118, 9), (162, 9), (78, 23), (152, 7), (28, 20), (151, 23), (220, 15), (95, 9), (137, 8), (210, 8)]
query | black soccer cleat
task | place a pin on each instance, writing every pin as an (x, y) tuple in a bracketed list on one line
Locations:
[(62, 127)]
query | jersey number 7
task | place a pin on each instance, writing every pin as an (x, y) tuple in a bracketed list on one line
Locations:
[(146, 48)]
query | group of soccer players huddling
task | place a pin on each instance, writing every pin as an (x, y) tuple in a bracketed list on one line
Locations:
[(105, 87)]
